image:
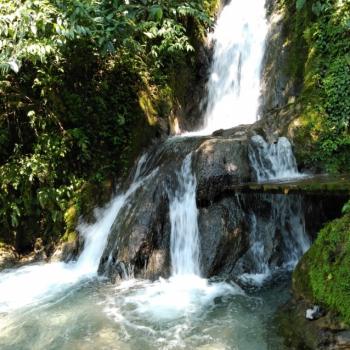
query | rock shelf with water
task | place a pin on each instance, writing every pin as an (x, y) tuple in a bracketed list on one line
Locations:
[(245, 228)]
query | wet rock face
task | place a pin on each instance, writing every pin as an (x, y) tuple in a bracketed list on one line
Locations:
[(251, 233), (223, 237), (140, 237), (239, 232), (66, 251), (275, 84), (220, 163), (278, 86)]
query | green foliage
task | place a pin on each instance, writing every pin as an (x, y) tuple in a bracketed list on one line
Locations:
[(346, 208), (141, 27), (299, 4), (320, 46), (323, 274), (71, 74)]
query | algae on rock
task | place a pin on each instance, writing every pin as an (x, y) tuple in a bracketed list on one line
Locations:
[(323, 274)]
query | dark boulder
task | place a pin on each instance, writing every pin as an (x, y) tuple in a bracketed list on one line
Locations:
[(140, 237)]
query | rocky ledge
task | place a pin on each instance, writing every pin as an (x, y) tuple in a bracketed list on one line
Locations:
[(230, 204), (8, 256)]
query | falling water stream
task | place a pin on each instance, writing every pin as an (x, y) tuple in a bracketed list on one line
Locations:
[(274, 161), (184, 224), (67, 306), (234, 80)]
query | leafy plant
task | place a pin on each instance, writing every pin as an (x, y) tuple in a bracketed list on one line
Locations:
[(324, 45), (71, 75)]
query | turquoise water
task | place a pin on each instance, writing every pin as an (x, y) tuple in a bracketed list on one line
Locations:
[(97, 315)]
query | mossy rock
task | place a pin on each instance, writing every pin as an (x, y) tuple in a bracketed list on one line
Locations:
[(71, 218), (323, 274), (91, 195), (70, 236)]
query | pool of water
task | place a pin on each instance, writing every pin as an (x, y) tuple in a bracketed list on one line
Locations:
[(166, 314)]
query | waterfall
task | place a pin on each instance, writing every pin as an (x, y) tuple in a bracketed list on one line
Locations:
[(255, 235), (283, 231), (184, 244), (184, 292), (95, 235), (234, 81), (277, 235), (45, 281), (272, 161)]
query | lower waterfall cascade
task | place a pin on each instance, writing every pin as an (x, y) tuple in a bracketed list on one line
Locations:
[(184, 241), (55, 278), (166, 313)]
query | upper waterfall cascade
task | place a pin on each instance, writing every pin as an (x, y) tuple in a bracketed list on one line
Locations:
[(233, 88)]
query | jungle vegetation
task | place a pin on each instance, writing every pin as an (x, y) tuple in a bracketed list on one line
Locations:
[(83, 84)]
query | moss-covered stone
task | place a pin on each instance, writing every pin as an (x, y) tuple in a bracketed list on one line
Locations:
[(91, 195), (69, 236), (70, 218), (323, 274)]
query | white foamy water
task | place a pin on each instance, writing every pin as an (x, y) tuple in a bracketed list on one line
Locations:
[(184, 243), (185, 292), (273, 161), (103, 316), (284, 229), (38, 283), (234, 81), (166, 299)]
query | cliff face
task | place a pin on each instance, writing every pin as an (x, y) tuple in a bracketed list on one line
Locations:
[(283, 75), (305, 77), (279, 86)]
